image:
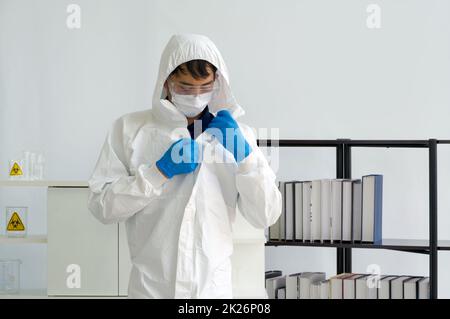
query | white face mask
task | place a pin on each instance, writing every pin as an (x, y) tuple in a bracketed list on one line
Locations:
[(191, 105)]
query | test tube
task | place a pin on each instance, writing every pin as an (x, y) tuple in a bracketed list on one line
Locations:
[(39, 167), (26, 164)]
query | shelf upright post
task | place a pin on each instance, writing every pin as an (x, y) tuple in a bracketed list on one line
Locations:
[(347, 175), (339, 174), (433, 211)]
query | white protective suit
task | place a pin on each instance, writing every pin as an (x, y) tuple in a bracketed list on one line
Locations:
[(179, 230)]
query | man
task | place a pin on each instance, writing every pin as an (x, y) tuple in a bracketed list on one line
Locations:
[(179, 205)]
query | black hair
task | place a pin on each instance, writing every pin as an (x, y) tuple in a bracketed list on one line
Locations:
[(197, 68)]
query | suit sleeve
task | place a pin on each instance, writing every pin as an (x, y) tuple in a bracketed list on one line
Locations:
[(115, 194), (259, 199)]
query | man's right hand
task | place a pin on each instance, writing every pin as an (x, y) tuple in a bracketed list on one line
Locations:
[(180, 158)]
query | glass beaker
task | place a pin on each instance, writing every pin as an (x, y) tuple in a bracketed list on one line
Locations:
[(9, 276)]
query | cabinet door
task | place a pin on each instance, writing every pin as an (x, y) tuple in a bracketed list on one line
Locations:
[(124, 261), (248, 269), (80, 248), (248, 260)]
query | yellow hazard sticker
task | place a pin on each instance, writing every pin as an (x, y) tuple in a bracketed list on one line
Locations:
[(15, 223), (16, 170)]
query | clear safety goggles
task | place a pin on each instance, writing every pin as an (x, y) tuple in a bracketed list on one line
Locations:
[(185, 89)]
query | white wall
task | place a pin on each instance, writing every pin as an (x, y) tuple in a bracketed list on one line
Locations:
[(311, 68)]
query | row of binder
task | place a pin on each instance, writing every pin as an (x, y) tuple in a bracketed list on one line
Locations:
[(314, 285), (329, 210)]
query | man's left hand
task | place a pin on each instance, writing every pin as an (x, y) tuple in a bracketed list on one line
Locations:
[(226, 130)]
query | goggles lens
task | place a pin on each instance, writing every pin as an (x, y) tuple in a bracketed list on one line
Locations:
[(185, 89)]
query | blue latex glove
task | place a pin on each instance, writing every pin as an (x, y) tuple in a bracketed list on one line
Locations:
[(180, 158), (227, 131)]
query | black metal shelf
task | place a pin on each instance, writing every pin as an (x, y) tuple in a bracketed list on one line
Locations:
[(355, 143), (343, 170), (408, 245)]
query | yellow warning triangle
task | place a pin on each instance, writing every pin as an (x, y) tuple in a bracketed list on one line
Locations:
[(15, 223), (15, 170)]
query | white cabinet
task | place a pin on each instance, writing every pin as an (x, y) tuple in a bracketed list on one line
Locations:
[(248, 260), (124, 261), (248, 270), (77, 239)]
